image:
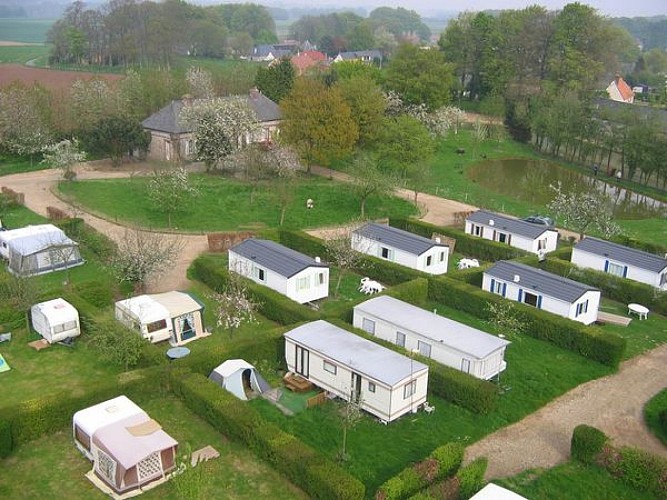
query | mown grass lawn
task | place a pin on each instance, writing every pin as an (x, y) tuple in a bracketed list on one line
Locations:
[(537, 372), (569, 481), (21, 54), (226, 204), (52, 467)]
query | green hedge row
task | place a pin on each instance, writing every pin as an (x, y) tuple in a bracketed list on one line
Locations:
[(467, 244), (272, 305), (443, 462), (635, 467), (33, 418), (615, 288), (471, 477), (414, 291), (588, 341), (91, 239), (305, 467), (640, 245)]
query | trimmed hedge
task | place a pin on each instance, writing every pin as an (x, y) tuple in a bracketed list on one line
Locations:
[(613, 287), (588, 341), (471, 477), (33, 418), (443, 462), (272, 304), (305, 467), (304, 243), (587, 442), (467, 244), (414, 291)]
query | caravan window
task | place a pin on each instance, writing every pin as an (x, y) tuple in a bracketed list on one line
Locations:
[(156, 325)]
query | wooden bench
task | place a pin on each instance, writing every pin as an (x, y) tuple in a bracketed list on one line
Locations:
[(297, 383)]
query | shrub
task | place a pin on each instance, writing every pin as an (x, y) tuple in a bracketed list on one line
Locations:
[(471, 477), (476, 395), (588, 341), (443, 462), (662, 418), (414, 291), (5, 439), (641, 470), (304, 243), (587, 442), (116, 343), (303, 465)]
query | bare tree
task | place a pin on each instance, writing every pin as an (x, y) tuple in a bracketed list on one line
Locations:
[(504, 318), (171, 189), (370, 179), (200, 83), (143, 255), (340, 252), (235, 306), (64, 155), (351, 414)]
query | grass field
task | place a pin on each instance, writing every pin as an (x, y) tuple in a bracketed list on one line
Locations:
[(571, 480), (25, 30), (23, 53), (226, 204), (52, 467)]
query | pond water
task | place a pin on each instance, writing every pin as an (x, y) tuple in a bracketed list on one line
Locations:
[(530, 180)]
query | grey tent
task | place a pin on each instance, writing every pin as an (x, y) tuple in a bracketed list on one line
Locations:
[(239, 377)]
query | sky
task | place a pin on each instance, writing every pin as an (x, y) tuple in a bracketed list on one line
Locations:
[(612, 8)]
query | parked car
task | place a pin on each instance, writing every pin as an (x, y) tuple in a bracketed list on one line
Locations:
[(539, 219)]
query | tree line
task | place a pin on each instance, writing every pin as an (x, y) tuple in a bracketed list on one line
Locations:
[(135, 32)]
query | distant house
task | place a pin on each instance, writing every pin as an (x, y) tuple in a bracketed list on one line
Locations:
[(268, 53), (365, 56), (295, 275), (516, 233), (386, 384), (543, 290), (446, 341), (172, 140), (402, 247), (621, 261), (39, 249), (308, 60), (620, 91)]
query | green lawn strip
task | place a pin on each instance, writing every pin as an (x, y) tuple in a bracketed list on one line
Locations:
[(20, 216), (52, 466), (571, 480), (651, 230), (537, 373), (226, 204), (21, 54), (641, 336), (652, 410)]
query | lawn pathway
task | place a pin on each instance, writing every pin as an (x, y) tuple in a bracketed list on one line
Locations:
[(613, 404)]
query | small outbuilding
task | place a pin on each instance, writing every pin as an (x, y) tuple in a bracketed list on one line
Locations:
[(173, 316), (533, 238), (55, 320), (385, 383), (621, 261), (128, 449), (543, 290), (240, 378), (401, 247), (34, 250), (446, 341), (295, 275)]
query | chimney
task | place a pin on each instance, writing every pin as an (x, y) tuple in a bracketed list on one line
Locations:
[(516, 278), (318, 260), (491, 222)]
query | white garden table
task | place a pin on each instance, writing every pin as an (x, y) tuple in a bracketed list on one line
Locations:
[(639, 310)]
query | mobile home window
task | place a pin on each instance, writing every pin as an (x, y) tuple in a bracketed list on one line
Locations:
[(442, 256), (371, 387), (330, 367), (368, 325), (260, 274), (320, 278), (542, 244), (616, 269), (429, 259), (424, 349), (530, 299), (386, 253), (477, 230), (400, 339), (409, 389), (303, 283), (663, 279), (582, 307), (503, 238)]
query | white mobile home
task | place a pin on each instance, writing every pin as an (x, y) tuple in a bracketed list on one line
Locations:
[(295, 275), (543, 290), (55, 320), (386, 383), (621, 261), (41, 249), (444, 340), (402, 247), (533, 238), (173, 316), (128, 449)]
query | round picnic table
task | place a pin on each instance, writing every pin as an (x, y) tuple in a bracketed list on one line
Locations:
[(177, 352), (639, 310)]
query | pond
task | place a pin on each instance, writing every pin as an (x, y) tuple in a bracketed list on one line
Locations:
[(530, 181)]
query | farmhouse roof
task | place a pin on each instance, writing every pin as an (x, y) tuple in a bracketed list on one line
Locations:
[(363, 356), (626, 255), (397, 238), (538, 280), (509, 224), (443, 330), (623, 89), (360, 54), (167, 119), (275, 257)]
